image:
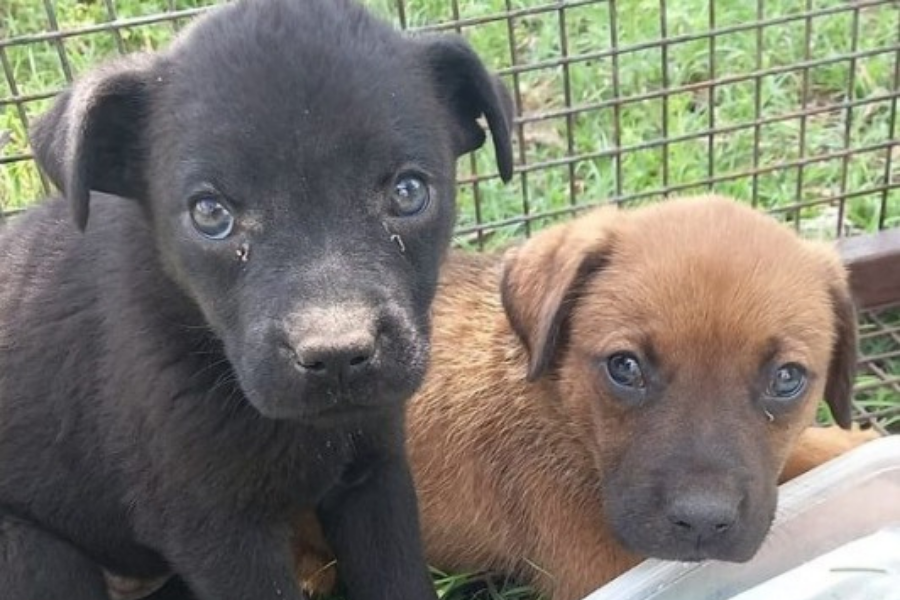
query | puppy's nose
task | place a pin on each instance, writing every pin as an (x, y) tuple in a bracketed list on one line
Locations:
[(340, 355), (703, 516), (333, 344)]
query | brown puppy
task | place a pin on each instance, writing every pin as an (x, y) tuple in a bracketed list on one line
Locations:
[(636, 391)]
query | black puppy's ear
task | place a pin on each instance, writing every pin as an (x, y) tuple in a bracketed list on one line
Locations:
[(842, 368), (471, 91), (543, 278), (93, 137)]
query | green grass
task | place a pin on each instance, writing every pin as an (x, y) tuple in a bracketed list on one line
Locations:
[(36, 69), (479, 587), (474, 586)]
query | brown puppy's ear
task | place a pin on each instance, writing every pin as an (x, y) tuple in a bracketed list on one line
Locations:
[(842, 368), (470, 91), (542, 279), (93, 136)]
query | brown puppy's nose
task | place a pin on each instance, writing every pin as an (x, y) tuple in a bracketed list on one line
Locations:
[(339, 356), (702, 516)]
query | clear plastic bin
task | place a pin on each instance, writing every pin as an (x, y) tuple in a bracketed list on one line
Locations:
[(836, 535)]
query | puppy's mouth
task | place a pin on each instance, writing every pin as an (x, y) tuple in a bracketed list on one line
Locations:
[(701, 525), (279, 384), (384, 389), (696, 551), (341, 412), (737, 548)]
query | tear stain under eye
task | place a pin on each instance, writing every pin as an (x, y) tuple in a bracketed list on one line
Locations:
[(395, 238), (243, 252)]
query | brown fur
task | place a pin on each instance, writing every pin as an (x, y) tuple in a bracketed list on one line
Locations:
[(818, 445), (520, 451)]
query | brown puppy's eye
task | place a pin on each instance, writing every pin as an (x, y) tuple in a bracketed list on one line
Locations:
[(625, 370), (787, 382)]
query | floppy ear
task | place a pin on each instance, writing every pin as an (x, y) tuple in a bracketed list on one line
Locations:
[(471, 92), (93, 137), (842, 368), (542, 279)]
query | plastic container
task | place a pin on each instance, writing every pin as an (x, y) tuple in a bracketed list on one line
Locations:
[(836, 535), (865, 569)]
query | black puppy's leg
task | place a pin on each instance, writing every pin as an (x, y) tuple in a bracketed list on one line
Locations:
[(234, 561), (373, 528), (35, 565)]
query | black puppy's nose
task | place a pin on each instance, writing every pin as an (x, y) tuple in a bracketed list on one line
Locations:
[(704, 516), (337, 356), (333, 344)]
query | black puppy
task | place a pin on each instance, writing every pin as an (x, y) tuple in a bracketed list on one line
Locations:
[(235, 341)]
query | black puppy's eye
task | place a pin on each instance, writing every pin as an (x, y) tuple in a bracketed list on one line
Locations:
[(787, 382), (211, 218), (410, 196), (624, 369)]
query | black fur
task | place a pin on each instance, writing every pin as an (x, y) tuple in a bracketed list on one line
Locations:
[(155, 413)]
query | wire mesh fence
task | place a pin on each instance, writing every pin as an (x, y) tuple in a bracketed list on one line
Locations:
[(789, 104), (878, 385)]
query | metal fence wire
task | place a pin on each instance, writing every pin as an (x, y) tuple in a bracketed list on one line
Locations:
[(789, 104)]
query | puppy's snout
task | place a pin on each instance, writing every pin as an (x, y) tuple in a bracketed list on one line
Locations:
[(702, 516), (333, 345), (337, 356)]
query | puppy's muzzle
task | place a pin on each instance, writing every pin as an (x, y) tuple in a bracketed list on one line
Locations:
[(679, 512), (334, 345), (336, 357), (702, 518), (333, 359), (709, 521)]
